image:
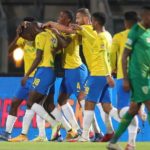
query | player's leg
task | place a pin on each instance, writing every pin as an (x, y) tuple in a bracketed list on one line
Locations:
[(147, 104), (56, 113), (20, 95), (39, 89), (98, 135), (125, 121), (67, 88), (106, 119), (94, 87), (106, 103), (105, 107), (67, 110), (123, 102)]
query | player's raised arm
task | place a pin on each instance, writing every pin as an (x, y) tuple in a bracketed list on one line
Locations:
[(125, 56), (63, 41), (58, 26), (13, 45)]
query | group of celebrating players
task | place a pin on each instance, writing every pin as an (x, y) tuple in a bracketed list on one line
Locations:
[(51, 50)]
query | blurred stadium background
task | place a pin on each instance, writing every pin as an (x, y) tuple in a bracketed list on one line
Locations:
[(12, 12)]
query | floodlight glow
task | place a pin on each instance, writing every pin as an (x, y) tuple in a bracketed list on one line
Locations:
[(18, 54)]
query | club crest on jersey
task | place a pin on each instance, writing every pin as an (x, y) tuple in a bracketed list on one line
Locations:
[(54, 41), (30, 43), (145, 89)]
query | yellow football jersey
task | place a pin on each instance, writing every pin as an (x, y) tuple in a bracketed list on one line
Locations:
[(46, 41), (71, 57), (106, 36), (29, 53), (94, 51), (117, 49)]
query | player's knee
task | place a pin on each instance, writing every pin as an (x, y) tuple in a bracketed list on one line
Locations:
[(133, 111), (29, 104), (89, 105), (15, 104), (62, 102), (81, 96), (107, 108)]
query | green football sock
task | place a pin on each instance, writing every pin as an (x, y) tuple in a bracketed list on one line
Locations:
[(149, 117), (125, 121)]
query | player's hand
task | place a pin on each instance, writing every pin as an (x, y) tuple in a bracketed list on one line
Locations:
[(19, 30), (47, 24), (126, 84), (24, 80), (110, 81), (54, 30), (75, 27)]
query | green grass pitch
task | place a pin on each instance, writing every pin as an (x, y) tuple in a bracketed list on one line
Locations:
[(64, 146)]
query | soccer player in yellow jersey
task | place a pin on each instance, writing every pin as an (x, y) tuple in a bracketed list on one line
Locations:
[(23, 91), (45, 43), (98, 22), (123, 97), (75, 71), (97, 62)]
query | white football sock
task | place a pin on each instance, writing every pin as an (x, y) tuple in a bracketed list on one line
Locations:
[(114, 113), (38, 109), (41, 126), (87, 121), (10, 123), (106, 119), (29, 114), (59, 117), (95, 125), (133, 127), (70, 116), (82, 102)]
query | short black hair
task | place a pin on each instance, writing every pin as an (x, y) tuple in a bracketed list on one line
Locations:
[(30, 19), (84, 11), (131, 16), (100, 17), (70, 14)]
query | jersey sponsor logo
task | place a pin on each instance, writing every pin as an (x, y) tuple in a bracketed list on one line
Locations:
[(30, 43), (36, 82), (145, 89), (129, 41), (54, 41), (102, 46)]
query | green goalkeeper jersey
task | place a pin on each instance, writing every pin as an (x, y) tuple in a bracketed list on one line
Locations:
[(139, 43)]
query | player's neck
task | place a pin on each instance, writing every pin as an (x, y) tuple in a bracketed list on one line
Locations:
[(87, 22), (144, 25), (100, 29)]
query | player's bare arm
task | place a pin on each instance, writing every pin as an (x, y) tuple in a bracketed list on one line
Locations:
[(58, 26), (126, 83), (36, 62), (63, 42)]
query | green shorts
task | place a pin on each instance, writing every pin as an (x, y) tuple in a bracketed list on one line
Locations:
[(140, 89)]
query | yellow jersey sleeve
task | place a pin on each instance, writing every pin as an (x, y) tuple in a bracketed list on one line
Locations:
[(114, 49), (103, 48), (86, 31), (20, 42), (40, 42), (46, 41)]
